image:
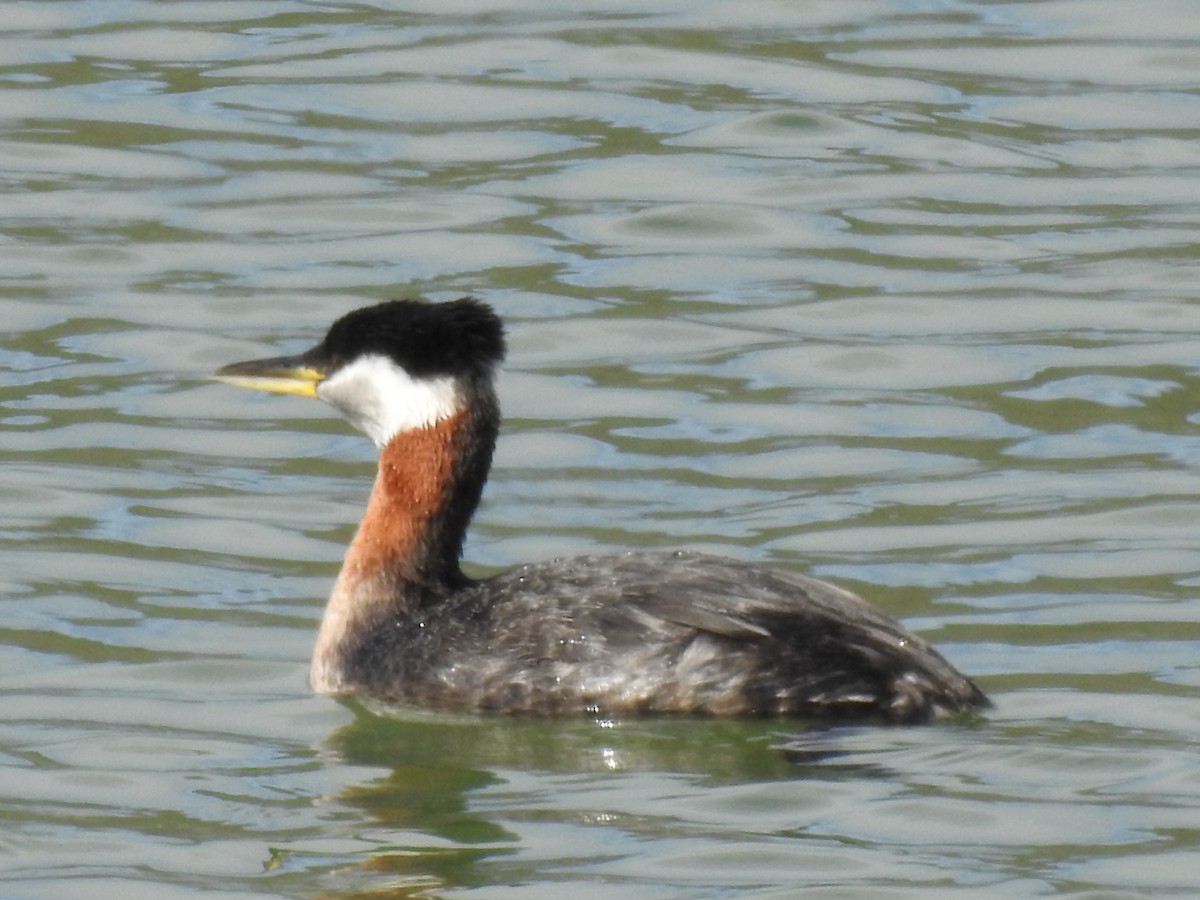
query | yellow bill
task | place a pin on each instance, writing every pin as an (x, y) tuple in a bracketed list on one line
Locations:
[(279, 375)]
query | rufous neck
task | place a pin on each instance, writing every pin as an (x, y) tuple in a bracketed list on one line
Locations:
[(408, 535), (404, 553)]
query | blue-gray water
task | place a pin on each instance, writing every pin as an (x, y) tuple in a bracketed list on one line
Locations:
[(898, 293)]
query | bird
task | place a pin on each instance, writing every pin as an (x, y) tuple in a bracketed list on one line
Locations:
[(633, 634)]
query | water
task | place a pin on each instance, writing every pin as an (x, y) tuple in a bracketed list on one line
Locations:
[(897, 293)]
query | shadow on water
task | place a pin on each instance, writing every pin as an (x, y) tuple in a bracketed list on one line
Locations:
[(455, 785), (719, 749), (468, 802)]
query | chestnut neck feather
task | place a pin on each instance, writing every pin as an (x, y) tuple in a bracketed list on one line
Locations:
[(399, 533), (405, 553)]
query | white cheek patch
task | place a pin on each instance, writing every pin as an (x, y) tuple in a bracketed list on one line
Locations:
[(381, 399)]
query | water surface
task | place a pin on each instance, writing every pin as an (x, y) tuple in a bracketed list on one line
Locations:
[(900, 294)]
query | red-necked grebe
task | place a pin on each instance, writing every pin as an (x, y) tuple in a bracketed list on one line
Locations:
[(595, 635)]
